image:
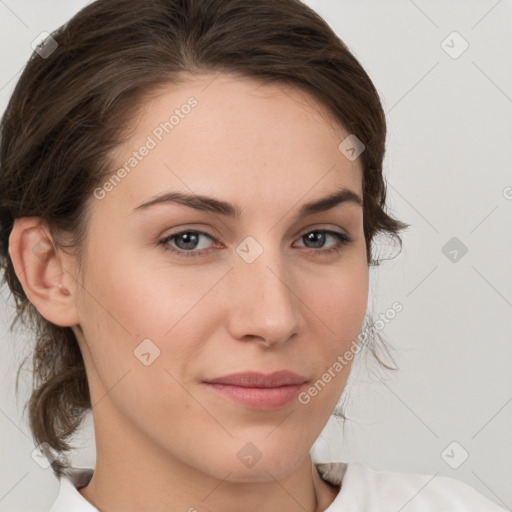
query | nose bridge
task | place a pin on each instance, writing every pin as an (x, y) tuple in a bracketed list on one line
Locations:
[(264, 303)]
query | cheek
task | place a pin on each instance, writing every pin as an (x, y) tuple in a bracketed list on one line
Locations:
[(129, 302), (140, 298), (339, 305), (125, 305), (339, 297)]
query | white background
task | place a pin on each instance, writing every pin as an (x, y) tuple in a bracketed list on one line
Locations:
[(448, 166)]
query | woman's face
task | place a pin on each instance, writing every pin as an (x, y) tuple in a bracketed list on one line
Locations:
[(262, 291)]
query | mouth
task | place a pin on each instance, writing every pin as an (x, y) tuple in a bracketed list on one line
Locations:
[(259, 391)]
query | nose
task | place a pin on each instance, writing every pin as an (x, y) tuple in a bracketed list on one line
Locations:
[(264, 302)]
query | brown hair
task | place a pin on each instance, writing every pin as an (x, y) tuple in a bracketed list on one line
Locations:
[(69, 110)]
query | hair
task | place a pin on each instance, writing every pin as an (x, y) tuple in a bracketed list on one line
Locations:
[(71, 108)]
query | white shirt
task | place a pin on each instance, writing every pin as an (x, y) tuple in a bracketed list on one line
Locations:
[(363, 489)]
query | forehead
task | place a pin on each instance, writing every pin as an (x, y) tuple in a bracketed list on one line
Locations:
[(236, 137)]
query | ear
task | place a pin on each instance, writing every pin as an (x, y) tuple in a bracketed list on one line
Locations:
[(42, 271)]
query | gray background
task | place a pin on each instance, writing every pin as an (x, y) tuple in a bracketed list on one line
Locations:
[(448, 166)]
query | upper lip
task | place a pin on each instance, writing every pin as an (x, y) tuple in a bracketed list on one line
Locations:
[(260, 380)]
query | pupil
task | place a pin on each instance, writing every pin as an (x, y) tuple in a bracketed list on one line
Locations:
[(190, 240), (316, 237)]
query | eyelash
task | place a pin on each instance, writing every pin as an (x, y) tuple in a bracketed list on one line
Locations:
[(342, 239)]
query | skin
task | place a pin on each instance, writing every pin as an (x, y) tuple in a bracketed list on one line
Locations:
[(164, 441)]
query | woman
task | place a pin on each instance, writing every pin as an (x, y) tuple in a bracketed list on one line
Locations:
[(190, 191)]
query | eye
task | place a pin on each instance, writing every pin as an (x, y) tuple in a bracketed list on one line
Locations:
[(318, 237), (188, 243)]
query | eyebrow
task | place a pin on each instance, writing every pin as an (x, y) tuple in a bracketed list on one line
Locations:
[(210, 204)]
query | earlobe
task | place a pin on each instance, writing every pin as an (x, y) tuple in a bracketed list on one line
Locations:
[(42, 273)]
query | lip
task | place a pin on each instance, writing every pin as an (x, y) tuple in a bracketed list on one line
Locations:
[(258, 390), (260, 380)]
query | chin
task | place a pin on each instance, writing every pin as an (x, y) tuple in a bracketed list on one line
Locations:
[(251, 464)]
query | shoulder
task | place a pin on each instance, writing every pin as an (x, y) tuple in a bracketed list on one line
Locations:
[(69, 499), (367, 489), (422, 492)]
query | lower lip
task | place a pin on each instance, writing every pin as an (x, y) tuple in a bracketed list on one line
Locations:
[(264, 399)]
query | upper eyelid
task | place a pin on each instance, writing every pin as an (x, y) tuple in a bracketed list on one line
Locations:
[(308, 229), (214, 238)]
